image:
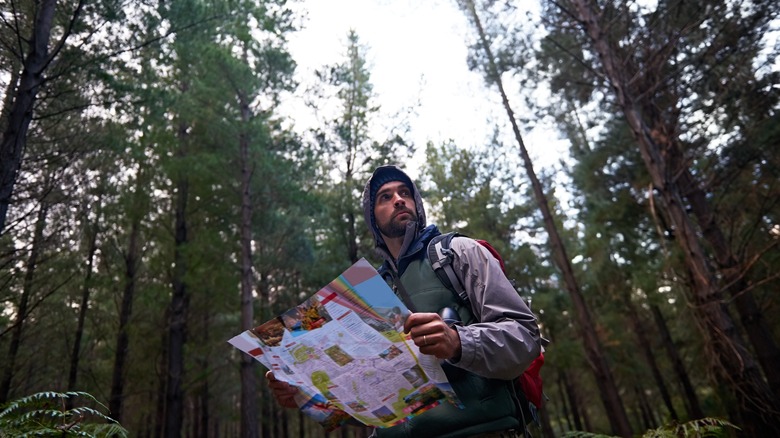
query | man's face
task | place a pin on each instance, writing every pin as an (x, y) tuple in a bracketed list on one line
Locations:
[(393, 208)]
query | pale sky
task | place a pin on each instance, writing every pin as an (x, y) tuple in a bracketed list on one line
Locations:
[(416, 52)]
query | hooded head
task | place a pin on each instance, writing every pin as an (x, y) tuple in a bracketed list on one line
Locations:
[(381, 176)]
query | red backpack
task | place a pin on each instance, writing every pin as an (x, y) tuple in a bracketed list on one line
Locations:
[(529, 384)]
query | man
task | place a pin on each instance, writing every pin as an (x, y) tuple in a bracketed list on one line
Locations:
[(494, 342)]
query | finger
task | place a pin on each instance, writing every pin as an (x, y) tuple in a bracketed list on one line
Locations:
[(418, 319), (278, 385), (427, 341), (443, 345)]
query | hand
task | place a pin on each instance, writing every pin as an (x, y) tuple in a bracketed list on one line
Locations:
[(433, 336), (283, 392)]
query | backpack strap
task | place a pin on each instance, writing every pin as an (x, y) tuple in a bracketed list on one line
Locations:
[(440, 255), (392, 280)]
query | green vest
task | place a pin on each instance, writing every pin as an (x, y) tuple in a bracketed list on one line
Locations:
[(488, 403)]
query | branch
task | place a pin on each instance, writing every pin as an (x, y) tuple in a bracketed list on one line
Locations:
[(22, 318), (744, 272), (65, 34), (577, 59), (132, 48)]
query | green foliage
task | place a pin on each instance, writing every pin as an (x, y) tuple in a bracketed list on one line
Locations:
[(475, 191), (578, 434), (46, 414), (701, 428), (704, 427), (348, 148)]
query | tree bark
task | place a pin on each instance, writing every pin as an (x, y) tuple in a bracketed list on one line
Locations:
[(691, 399), (132, 260), (301, 425), (179, 307), (544, 418), (732, 362), (573, 401), (644, 345), (352, 244), (266, 422), (22, 93), (202, 419), (735, 281), (351, 231), (605, 382), (21, 113), (572, 421), (648, 418), (84, 306), (24, 301), (249, 368), (159, 417)]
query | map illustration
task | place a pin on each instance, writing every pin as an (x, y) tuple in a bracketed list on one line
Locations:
[(344, 348)]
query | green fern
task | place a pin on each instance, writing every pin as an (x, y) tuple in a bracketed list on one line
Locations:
[(579, 434), (701, 428), (45, 414)]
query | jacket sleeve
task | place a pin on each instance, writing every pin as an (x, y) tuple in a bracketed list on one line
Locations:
[(506, 339)]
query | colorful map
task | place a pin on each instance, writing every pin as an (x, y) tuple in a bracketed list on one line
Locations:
[(344, 348)]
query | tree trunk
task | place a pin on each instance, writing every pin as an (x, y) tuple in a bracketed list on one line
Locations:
[(352, 244), (301, 425), (266, 411), (644, 345), (605, 382), (10, 88), (732, 362), (84, 306), (159, 417), (268, 405), (544, 418), (351, 231), (736, 284), (24, 301), (19, 117), (569, 396), (177, 326), (249, 367), (201, 421), (159, 413), (648, 419), (691, 399), (562, 389), (559, 423), (285, 423), (132, 260)]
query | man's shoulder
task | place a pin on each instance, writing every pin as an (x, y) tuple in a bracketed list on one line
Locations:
[(465, 246), (459, 245), (459, 240)]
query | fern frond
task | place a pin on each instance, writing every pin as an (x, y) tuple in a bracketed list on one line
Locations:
[(700, 428), (580, 434), (43, 414), (113, 430), (83, 410)]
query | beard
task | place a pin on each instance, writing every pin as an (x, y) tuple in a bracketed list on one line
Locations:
[(397, 227)]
